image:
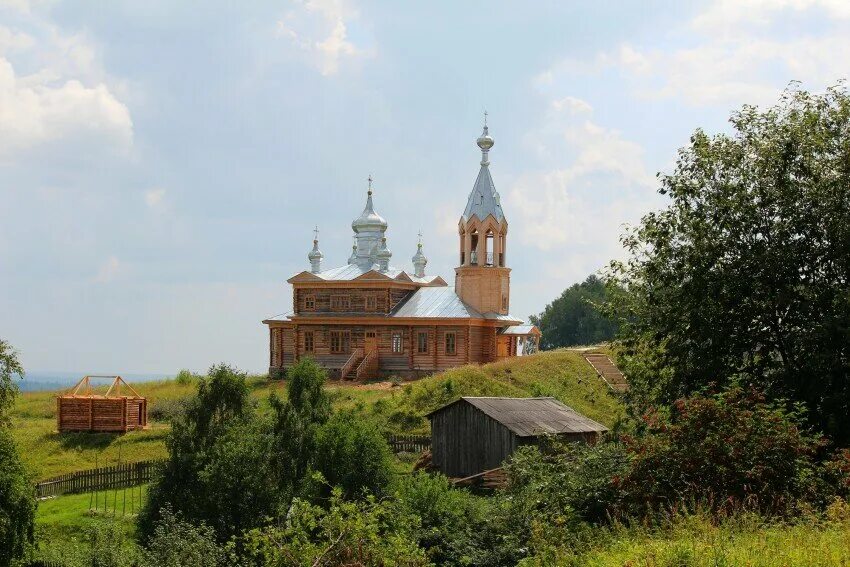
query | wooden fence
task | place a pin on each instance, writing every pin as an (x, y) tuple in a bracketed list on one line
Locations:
[(409, 443), (117, 476)]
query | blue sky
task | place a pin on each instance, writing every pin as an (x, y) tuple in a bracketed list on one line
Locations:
[(162, 164)]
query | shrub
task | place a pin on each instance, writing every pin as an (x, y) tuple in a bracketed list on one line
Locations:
[(360, 532), (17, 502), (448, 517), (351, 453), (186, 377), (728, 450), (166, 410), (178, 543)]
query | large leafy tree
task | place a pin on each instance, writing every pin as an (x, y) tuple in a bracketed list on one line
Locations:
[(17, 497), (745, 275), (576, 317)]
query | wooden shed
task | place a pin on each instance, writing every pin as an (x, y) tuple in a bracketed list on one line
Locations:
[(83, 409), (473, 435)]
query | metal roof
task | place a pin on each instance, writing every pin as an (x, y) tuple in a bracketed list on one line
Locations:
[(351, 272), (484, 199), (520, 330), (436, 302), (493, 316), (530, 417)]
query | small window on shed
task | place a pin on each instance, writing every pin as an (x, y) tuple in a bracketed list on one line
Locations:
[(451, 343)]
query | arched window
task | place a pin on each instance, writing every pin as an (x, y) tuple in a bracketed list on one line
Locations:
[(473, 254), (489, 248), (462, 247)]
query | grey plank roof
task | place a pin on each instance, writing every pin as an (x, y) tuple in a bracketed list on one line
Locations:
[(436, 302), (530, 417)]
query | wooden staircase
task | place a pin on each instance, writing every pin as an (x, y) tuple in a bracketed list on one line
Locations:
[(608, 371), (368, 367), (351, 363)]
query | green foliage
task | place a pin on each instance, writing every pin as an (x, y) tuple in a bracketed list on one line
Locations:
[(178, 543), (206, 465), (186, 377), (448, 518), (9, 368), (576, 317), (17, 503), (745, 272), (295, 425), (352, 454), (360, 532), (730, 450)]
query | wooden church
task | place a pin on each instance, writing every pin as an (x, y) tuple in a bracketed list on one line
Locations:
[(367, 319)]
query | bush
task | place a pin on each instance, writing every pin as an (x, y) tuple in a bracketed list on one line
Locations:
[(728, 450), (448, 517), (361, 532), (177, 543), (186, 377), (166, 410), (17, 502), (351, 453)]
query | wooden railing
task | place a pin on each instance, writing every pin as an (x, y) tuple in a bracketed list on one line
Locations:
[(117, 476), (409, 443), (355, 357), (368, 366)]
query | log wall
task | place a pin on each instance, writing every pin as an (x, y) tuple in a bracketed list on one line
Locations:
[(385, 299), (95, 413)]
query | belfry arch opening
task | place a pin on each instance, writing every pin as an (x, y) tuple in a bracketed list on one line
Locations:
[(502, 250), (473, 254), (488, 248)]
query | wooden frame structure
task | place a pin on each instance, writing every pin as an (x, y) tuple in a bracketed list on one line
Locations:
[(80, 409)]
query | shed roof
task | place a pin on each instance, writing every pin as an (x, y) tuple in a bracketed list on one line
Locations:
[(521, 330), (530, 417)]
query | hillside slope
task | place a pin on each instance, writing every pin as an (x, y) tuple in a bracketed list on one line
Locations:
[(562, 374)]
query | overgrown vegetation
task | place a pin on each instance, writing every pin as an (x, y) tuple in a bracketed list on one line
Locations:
[(744, 275)]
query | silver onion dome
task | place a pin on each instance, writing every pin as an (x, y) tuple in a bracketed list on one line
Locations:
[(485, 141), (369, 220), (315, 256), (419, 262)]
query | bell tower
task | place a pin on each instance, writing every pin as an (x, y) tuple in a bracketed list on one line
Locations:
[(483, 280)]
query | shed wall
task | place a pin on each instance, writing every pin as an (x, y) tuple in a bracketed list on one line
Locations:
[(465, 441)]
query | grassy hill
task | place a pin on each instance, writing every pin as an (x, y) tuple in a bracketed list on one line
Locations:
[(562, 374)]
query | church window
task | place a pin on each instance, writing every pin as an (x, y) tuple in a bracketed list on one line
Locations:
[(341, 302), (340, 342), (397, 344), (308, 341), (309, 302), (451, 343), (502, 250), (371, 303), (473, 254), (422, 342)]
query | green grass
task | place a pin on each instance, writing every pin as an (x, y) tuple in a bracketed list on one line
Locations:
[(741, 541), (63, 522), (563, 374)]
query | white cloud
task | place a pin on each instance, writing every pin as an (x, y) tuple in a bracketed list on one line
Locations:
[(737, 51), (580, 206), (66, 96), (319, 28), (153, 197), (33, 111), (108, 270)]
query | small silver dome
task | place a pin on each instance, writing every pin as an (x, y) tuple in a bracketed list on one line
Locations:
[(369, 219), (485, 142), (383, 251)]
